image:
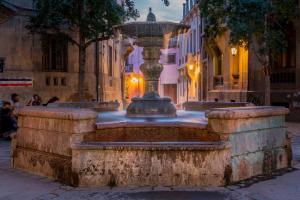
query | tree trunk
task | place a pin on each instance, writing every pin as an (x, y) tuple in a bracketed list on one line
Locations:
[(82, 61), (267, 65)]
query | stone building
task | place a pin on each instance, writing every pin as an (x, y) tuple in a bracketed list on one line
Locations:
[(285, 74), (31, 65), (191, 48), (209, 72), (227, 73)]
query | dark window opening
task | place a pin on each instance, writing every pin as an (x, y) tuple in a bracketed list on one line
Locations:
[(171, 59), (55, 54), (55, 81), (218, 61), (288, 58), (2, 62), (48, 81), (63, 81)]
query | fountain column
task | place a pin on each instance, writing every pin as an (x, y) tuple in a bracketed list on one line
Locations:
[(151, 70)]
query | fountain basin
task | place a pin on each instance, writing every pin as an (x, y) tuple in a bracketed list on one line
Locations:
[(83, 148)]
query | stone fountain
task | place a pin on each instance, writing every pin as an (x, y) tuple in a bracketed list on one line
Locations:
[(151, 35), (82, 147)]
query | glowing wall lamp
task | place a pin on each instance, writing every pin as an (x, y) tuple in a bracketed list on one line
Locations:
[(191, 67), (134, 79), (234, 51)]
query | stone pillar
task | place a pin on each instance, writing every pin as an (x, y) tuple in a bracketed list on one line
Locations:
[(258, 137), (42, 144)]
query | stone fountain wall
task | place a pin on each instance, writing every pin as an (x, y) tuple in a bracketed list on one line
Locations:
[(43, 141), (258, 137), (70, 146)]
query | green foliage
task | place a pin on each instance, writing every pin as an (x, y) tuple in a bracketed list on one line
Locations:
[(264, 22), (93, 18)]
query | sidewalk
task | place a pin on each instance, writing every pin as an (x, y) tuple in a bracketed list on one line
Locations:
[(15, 185)]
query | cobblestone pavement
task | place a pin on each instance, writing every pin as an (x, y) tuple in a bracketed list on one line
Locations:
[(16, 184)]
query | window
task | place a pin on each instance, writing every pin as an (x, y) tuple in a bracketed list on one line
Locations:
[(63, 81), (288, 58), (55, 81), (55, 54), (110, 61), (218, 61), (2, 62), (48, 81), (116, 55), (171, 58)]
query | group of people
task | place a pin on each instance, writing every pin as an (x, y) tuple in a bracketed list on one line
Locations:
[(8, 114)]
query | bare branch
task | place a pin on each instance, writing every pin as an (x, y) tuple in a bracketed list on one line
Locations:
[(96, 40)]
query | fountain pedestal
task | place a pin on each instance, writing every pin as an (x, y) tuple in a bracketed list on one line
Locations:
[(151, 105)]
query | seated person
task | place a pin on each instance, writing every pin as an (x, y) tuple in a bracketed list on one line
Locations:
[(8, 123)]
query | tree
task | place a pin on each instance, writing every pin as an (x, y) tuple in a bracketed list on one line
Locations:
[(256, 24), (81, 22)]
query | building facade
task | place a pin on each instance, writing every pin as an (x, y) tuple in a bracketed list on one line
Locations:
[(191, 49), (209, 71), (134, 85), (31, 64), (285, 73), (233, 74)]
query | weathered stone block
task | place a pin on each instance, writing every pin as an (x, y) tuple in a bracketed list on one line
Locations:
[(230, 126), (58, 125), (259, 140), (54, 166), (151, 167), (258, 163), (43, 140), (234, 120)]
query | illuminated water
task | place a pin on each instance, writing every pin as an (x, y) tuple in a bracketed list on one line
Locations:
[(193, 117)]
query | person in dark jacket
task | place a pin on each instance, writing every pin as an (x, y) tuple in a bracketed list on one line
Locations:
[(8, 123)]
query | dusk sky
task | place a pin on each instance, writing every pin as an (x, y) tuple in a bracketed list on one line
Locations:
[(163, 13)]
